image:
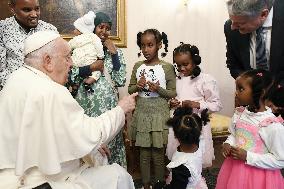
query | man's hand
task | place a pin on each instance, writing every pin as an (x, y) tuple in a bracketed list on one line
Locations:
[(98, 65), (128, 103)]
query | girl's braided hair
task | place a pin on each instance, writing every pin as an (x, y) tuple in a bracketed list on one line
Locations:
[(159, 37), (193, 51), (187, 125)]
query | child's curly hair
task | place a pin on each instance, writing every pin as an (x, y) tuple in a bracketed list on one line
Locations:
[(260, 81), (187, 125)]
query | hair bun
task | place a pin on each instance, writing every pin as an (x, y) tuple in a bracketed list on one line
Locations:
[(196, 59), (195, 50), (165, 38), (139, 34)]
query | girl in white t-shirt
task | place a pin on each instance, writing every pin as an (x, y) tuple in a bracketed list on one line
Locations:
[(154, 80)]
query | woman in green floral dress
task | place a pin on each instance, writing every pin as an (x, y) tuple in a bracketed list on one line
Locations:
[(105, 96)]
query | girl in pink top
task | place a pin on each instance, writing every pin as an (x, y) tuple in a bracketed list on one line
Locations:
[(196, 90), (254, 150)]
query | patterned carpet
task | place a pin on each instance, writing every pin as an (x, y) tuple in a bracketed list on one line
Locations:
[(210, 176)]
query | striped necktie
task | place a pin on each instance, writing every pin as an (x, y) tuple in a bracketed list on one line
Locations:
[(261, 58)]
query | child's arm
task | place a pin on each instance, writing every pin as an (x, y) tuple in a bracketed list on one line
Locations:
[(118, 73), (272, 136), (108, 43), (132, 87), (230, 141), (211, 94), (170, 91), (231, 138)]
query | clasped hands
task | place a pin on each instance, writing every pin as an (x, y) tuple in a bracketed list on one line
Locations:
[(174, 103), (153, 87), (234, 152)]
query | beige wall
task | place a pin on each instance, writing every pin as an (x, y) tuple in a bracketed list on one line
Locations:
[(200, 23)]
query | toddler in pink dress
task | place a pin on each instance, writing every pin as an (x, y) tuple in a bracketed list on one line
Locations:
[(254, 150)]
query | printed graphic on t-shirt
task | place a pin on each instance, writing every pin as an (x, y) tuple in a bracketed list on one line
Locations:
[(154, 74)]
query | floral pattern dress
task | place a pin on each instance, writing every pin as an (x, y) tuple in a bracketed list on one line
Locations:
[(12, 37), (105, 97)]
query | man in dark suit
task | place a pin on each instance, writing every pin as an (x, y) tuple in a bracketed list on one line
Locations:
[(246, 18)]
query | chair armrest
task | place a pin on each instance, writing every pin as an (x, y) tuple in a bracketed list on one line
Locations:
[(219, 125)]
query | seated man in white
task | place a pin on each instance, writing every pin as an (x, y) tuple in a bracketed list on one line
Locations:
[(44, 131)]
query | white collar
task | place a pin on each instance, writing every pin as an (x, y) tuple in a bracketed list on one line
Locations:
[(36, 71), (180, 158), (268, 22)]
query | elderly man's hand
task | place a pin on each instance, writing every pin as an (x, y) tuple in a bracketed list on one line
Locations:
[(127, 103), (97, 66)]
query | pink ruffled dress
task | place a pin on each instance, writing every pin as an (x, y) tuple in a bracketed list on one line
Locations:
[(236, 174)]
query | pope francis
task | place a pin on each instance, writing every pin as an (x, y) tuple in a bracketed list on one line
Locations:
[(44, 131)]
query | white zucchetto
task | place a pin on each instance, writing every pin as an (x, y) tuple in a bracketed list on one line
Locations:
[(38, 40)]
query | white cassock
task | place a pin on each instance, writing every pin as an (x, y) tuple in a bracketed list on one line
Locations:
[(44, 133)]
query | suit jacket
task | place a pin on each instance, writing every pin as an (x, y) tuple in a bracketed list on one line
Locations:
[(238, 54)]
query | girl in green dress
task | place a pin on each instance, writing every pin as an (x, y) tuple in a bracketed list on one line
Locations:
[(154, 80)]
